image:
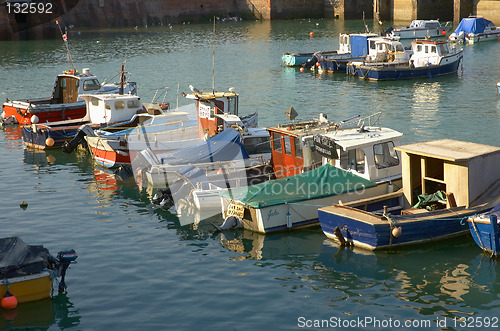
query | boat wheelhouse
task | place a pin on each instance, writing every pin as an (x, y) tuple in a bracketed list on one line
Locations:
[(444, 182), (421, 29), (64, 103), (474, 29)]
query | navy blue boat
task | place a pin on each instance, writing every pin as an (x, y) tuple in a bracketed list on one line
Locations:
[(485, 230), (429, 59)]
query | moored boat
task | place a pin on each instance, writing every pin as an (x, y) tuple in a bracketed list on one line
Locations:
[(485, 229), (292, 59), (462, 178), (352, 47), (101, 110), (419, 29), (64, 103), (429, 58), (474, 29), (27, 271), (359, 162)]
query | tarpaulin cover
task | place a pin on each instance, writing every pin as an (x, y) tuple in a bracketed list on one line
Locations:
[(224, 146), (472, 25), (19, 259), (429, 201), (322, 182)]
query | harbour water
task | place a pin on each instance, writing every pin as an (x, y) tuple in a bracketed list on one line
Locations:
[(139, 268)]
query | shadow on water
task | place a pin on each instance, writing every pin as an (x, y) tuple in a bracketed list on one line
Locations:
[(58, 312)]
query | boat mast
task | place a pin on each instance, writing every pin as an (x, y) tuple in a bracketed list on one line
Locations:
[(65, 38), (122, 78), (213, 61)]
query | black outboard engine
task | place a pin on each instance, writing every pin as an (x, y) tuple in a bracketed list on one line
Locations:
[(84, 130), (65, 259)]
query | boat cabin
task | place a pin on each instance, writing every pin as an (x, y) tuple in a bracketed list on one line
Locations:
[(210, 106), (463, 170), (69, 85), (355, 44), (427, 52), (293, 148), (111, 108), (366, 151), (383, 49)]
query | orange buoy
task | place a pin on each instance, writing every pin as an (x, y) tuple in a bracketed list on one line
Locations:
[(49, 142), (302, 69), (443, 33), (396, 232), (311, 34), (9, 301)]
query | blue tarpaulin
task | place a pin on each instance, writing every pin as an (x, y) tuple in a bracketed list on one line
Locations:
[(224, 146), (472, 25)]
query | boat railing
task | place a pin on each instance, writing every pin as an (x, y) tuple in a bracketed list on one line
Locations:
[(370, 120)]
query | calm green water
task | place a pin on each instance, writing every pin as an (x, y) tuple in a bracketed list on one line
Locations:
[(138, 268)]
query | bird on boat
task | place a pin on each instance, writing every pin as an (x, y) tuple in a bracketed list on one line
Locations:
[(194, 89)]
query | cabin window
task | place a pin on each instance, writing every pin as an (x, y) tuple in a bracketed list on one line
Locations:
[(133, 103), (433, 49), (257, 145), (373, 45), (233, 105), (298, 147), (288, 145), (443, 49), (277, 142), (419, 48), (119, 104), (108, 107), (400, 48), (63, 83), (91, 85), (385, 155), (426, 49), (95, 102), (357, 160)]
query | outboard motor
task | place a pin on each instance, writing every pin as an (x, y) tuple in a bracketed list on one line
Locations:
[(84, 130), (65, 259)]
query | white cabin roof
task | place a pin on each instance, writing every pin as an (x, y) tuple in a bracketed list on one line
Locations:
[(356, 138), (107, 97)]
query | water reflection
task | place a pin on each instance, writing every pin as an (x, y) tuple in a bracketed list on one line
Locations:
[(58, 311)]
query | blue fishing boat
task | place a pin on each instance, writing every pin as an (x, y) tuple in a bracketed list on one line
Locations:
[(352, 47), (485, 229), (428, 58), (421, 29), (453, 180)]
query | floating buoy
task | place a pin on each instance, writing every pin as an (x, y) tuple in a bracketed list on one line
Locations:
[(396, 232), (443, 33), (23, 205), (302, 69), (311, 34), (49, 142), (34, 119), (9, 301)]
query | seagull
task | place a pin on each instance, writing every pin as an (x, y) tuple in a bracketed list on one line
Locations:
[(194, 90)]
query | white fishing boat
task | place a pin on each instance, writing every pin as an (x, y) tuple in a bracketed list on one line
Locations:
[(419, 29), (474, 29)]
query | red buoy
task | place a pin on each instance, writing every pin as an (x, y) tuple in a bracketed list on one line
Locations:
[(302, 69), (9, 301), (311, 34), (443, 33)]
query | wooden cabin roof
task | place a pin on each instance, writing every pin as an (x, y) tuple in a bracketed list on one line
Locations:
[(449, 149), (210, 95)]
